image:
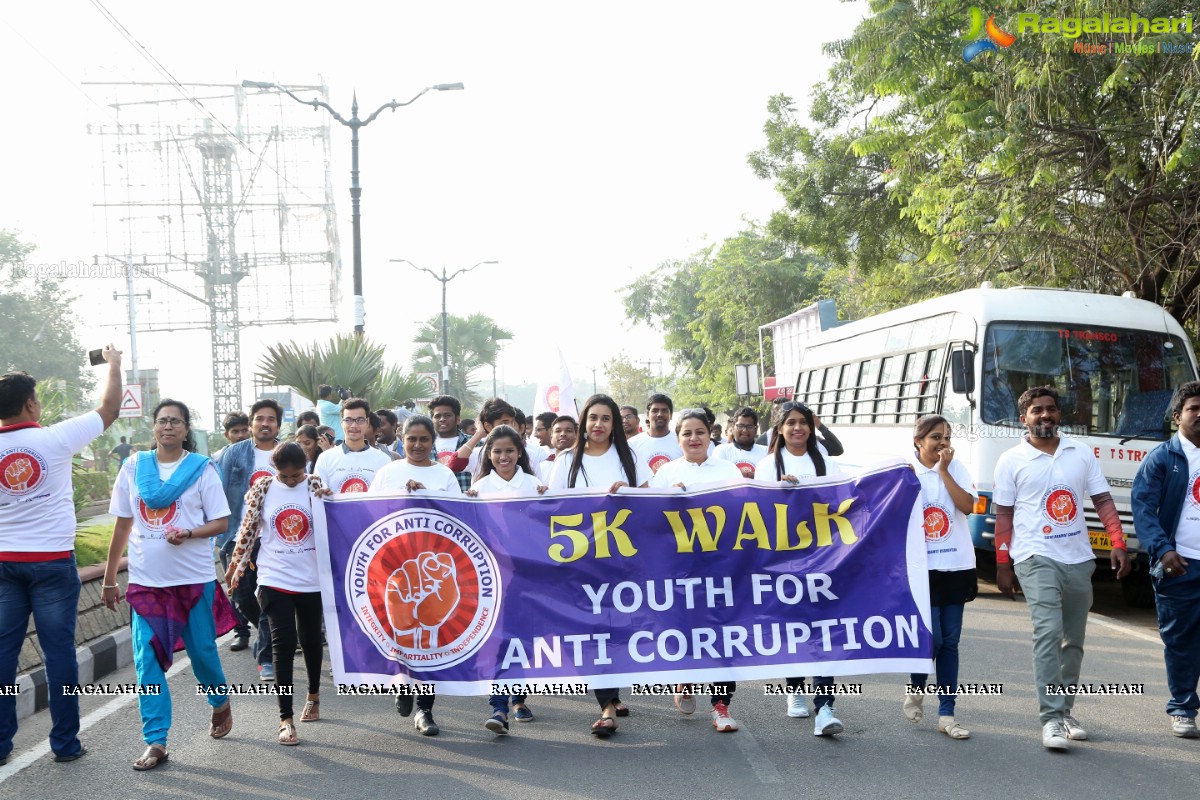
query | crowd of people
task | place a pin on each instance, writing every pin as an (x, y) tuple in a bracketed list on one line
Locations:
[(253, 504)]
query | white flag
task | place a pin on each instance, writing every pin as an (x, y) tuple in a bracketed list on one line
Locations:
[(556, 393)]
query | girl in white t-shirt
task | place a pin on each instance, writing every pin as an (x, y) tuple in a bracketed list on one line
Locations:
[(416, 470), (792, 456), (601, 459), (168, 503), (694, 470), (505, 472), (279, 515), (947, 496)]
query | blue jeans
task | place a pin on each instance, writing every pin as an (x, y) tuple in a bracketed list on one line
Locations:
[(50, 591), (1178, 598), (947, 630)]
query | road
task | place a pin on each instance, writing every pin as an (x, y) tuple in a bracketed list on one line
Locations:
[(363, 749)]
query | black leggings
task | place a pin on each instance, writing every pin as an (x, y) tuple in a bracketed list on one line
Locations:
[(606, 696), (292, 615)]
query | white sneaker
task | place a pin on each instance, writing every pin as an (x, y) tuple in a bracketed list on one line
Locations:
[(685, 701), (1075, 731), (797, 705), (1184, 727), (1054, 736), (721, 719), (826, 723)]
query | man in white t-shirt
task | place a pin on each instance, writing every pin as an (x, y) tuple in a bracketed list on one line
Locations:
[(37, 547), (563, 433), (741, 448), (658, 445), (351, 466), (1041, 535), (446, 412)]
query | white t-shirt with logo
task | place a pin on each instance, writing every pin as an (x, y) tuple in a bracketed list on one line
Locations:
[(694, 476), (746, 460), (1187, 532), (522, 485), (37, 511), (654, 452), (796, 466), (287, 557), (1047, 494), (597, 472), (944, 528), (263, 468), (395, 477), (344, 470), (153, 561), (445, 449)]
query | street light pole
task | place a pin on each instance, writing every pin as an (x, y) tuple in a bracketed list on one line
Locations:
[(445, 327), (354, 123)]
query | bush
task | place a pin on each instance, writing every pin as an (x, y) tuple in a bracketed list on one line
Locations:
[(90, 486)]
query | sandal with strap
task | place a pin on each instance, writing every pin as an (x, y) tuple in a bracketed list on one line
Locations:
[(621, 709), (222, 721), (604, 727), (287, 734), (948, 726), (311, 712), (155, 754)]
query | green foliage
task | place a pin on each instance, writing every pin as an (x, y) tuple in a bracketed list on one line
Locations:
[(922, 174), (91, 544), (630, 383), (89, 487), (473, 343)]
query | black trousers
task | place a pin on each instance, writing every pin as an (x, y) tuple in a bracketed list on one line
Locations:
[(293, 616)]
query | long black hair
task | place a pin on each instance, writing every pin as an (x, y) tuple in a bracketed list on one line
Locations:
[(503, 432), (616, 438), (777, 445), (310, 432), (189, 441)]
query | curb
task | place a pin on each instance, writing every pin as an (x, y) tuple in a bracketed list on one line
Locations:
[(96, 659)]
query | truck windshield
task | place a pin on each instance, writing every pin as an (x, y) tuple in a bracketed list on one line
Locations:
[(1112, 381)]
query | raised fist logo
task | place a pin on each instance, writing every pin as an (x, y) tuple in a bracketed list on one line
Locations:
[(155, 516), (1060, 506), (18, 474), (421, 595), (293, 527), (937, 524)]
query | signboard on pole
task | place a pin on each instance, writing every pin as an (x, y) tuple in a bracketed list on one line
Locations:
[(435, 385), (131, 401)]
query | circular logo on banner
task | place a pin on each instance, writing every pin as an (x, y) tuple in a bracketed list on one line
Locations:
[(158, 518), (747, 468), (355, 482), (1059, 505), (1194, 493), (21, 471), (292, 523), (657, 460), (423, 588), (551, 398), (937, 523), (262, 473)]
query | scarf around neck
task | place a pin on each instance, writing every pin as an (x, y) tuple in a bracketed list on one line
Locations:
[(156, 492)]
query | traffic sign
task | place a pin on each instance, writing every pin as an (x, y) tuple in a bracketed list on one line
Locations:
[(131, 401)]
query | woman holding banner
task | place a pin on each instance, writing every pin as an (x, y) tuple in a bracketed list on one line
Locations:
[(279, 514), (600, 459), (694, 471), (794, 455), (168, 503), (946, 500), (505, 471)]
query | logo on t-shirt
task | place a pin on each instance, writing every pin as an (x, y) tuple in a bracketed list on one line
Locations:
[(292, 523), (1194, 492), (1059, 505), (260, 473), (21, 471), (444, 457), (747, 468), (938, 523), (355, 482), (158, 518), (657, 460)]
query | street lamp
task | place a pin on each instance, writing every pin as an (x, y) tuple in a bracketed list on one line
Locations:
[(354, 123), (445, 332)]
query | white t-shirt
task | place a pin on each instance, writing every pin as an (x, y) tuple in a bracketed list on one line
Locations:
[(944, 529), (153, 561), (545, 469), (655, 452), (1047, 494), (344, 470), (522, 485), (694, 476), (287, 558), (37, 511), (746, 460), (597, 472), (395, 476), (1187, 532), (444, 449), (796, 466), (263, 467)]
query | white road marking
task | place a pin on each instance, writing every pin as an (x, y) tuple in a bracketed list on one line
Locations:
[(1121, 627), (763, 768)]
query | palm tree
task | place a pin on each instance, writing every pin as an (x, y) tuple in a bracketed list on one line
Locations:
[(473, 343), (346, 360)]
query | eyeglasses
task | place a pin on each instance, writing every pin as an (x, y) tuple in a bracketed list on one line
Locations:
[(742, 427), (169, 422), (629, 416), (354, 420)]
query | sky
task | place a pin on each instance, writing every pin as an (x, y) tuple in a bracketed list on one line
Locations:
[(592, 143)]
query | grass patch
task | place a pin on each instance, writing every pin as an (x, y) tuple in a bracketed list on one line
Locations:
[(91, 544)]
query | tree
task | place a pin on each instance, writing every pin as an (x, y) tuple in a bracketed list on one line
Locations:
[(923, 173), (473, 343), (631, 383), (36, 326), (353, 362)]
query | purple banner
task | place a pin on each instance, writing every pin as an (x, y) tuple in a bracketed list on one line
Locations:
[(749, 581)]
